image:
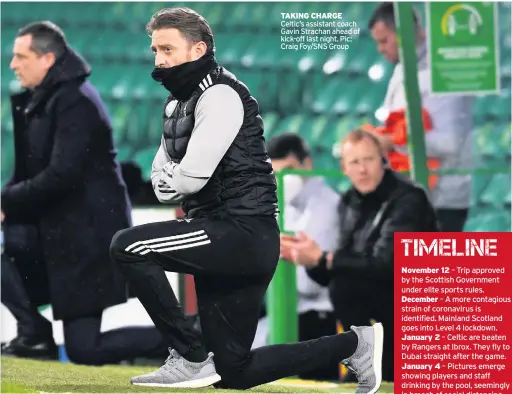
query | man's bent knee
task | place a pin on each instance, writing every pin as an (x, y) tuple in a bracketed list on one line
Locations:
[(83, 355), (233, 376), (120, 242)]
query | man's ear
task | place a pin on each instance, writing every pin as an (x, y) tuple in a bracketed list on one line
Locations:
[(200, 49), (308, 163), (342, 167), (48, 59)]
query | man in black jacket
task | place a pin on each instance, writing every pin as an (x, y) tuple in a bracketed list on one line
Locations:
[(360, 271), (212, 157), (62, 206)]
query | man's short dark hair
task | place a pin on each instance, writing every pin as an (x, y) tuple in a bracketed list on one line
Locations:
[(385, 12), (193, 26), (286, 144), (46, 37)]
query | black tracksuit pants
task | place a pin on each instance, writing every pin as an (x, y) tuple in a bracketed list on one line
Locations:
[(85, 343), (233, 261)]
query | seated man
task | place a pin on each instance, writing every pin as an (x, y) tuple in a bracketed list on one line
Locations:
[(360, 270), (311, 206)]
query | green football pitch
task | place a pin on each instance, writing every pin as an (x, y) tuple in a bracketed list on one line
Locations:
[(29, 376)]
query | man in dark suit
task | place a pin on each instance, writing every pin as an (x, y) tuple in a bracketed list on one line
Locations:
[(64, 203)]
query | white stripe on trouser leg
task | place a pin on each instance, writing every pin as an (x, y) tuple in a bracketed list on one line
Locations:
[(178, 242), (162, 239), (173, 243), (186, 246)]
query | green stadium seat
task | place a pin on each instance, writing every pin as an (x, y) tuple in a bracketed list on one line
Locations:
[(138, 130), (257, 14), (504, 141), (272, 21), (325, 161), (8, 79), (136, 82), (253, 80), (114, 81), (144, 158), (232, 48), (290, 124), (479, 183), (347, 97), (100, 46), (340, 127), (139, 14), (313, 61), (218, 13), (12, 15), (493, 143), (79, 43), (291, 60), (5, 110), (263, 86), (343, 185), (484, 139), (481, 107), (139, 50), (239, 14), (124, 152), (203, 8), (225, 51), (8, 36), (370, 102), (120, 113), (80, 14), (261, 51), (500, 108), (270, 120), (154, 124), (118, 11), (131, 82), (363, 58), (313, 82), (336, 61), (289, 92), (496, 191), (30, 12), (505, 65), (313, 131), (487, 221), (324, 101), (7, 159)]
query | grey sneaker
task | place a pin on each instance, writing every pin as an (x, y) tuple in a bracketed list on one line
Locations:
[(178, 372), (366, 362)]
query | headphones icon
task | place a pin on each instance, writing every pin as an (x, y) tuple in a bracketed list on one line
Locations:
[(451, 24)]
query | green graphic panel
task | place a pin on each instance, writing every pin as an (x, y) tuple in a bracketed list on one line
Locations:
[(463, 47)]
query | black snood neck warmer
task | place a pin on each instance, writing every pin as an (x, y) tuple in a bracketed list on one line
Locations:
[(182, 80)]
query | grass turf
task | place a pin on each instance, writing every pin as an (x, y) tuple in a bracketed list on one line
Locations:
[(30, 376)]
